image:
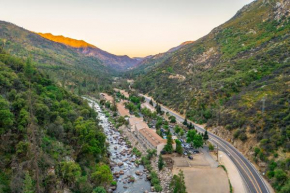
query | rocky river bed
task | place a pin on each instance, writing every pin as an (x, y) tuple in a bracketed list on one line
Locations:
[(130, 177)]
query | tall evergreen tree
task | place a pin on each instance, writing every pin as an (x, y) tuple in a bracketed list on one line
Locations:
[(168, 147), (179, 148), (177, 184), (205, 136), (185, 122), (160, 162)]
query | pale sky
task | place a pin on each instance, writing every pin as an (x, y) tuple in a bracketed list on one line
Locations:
[(122, 27)]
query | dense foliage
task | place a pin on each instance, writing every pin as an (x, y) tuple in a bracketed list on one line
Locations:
[(177, 184), (50, 138)]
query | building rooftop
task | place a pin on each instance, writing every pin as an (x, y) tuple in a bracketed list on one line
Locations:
[(141, 125), (152, 136), (135, 120)]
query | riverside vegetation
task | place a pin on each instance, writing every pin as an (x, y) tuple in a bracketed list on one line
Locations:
[(50, 138)]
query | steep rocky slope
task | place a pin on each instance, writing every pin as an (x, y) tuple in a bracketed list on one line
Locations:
[(236, 79), (111, 60)]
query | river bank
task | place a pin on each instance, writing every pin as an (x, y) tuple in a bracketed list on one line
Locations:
[(130, 176)]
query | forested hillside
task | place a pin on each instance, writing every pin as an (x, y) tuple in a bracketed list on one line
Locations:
[(73, 70), (119, 63), (50, 138), (236, 79)]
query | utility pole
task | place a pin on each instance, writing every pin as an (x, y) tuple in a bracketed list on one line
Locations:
[(217, 152)]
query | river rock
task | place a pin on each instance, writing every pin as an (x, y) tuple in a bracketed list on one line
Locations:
[(148, 177), (120, 163), (138, 173)]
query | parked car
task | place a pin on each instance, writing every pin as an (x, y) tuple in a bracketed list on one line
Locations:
[(195, 151), (184, 153), (190, 157), (163, 152)]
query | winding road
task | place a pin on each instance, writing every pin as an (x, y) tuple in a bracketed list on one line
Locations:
[(252, 178)]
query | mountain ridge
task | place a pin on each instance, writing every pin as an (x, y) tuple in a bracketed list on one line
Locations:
[(118, 62), (64, 64), (152, 61), (66, 40)]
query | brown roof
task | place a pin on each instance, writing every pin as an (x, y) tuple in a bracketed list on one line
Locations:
[(152, 136), (141, 125), (135, 120)]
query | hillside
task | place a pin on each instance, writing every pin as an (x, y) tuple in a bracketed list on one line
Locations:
[(50, 138), (150, 62), (115, 62), (223, 78), (63, 64)]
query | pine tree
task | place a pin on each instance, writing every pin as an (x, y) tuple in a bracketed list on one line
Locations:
[(168, 147), (160, 162), (179, 148), (178, 184), (205, 136), (185, 122)]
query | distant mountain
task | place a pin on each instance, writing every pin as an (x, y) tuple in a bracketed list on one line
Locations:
[(67, 41), (108, 59), (236, 79), (148, 63), (64, 64)]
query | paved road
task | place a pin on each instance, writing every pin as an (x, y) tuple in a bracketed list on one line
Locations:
[(252, 178)]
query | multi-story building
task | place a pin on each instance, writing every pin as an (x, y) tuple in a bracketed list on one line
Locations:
[(136, 123), (151, 140)]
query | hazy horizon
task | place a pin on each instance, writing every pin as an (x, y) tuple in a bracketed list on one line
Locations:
[(123, 27)]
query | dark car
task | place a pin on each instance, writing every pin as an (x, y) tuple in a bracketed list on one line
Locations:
[(190, 157), (195, 151), (163, 152)]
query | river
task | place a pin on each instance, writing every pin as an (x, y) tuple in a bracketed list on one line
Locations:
[(122, 160)]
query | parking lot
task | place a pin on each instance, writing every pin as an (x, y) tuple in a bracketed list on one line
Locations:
[(201, 171)]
